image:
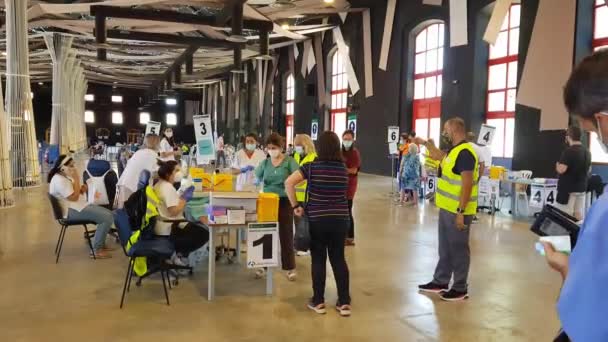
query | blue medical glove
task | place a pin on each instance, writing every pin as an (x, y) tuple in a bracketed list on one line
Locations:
[(247, 169), (188, 194)]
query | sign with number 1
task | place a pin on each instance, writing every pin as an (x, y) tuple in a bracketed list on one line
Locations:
[(263, 245), (205, 148)]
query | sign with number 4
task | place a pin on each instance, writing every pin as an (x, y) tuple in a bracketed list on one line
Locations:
[(537, 197), (262, 245), (550, 195), (486, 135)]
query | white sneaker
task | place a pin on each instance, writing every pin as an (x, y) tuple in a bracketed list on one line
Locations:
[(303, 253), (291, 275)]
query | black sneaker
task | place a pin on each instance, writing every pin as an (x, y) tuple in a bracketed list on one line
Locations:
[(433, 288), (454, 296)]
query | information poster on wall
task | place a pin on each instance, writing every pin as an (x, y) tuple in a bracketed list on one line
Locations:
[(205, 148), (153, 127), (393, 134), (351, 123), (486, 135), (314, 130), (263, 245)]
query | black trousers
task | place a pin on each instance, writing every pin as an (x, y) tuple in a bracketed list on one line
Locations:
[(188, 239), (351, 228), (327, 238)]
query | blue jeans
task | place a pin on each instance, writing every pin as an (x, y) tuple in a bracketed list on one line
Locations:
[(101, 216)]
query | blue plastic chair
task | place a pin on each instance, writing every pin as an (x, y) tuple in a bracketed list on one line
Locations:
[(158, 248)]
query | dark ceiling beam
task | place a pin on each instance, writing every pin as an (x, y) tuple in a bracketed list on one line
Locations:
[(170, 38), (175, 17), (100, 36), (228, 11)]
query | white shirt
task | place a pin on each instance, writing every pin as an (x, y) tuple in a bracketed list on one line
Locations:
[(220, 143), (169, 197), (165, 146), (244, 181), (144, 159), (62, 187), (484, 154)]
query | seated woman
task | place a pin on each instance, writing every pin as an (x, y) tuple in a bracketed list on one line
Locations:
[(185, 237), (64, 179)]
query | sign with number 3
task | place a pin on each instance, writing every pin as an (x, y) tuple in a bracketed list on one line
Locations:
[(205, 149)]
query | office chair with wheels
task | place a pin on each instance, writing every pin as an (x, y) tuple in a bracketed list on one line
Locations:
[(65, 224)]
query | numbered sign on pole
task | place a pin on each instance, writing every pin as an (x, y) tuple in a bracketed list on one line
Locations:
[(205, 148), (351, 123), (153, 127), (537, 197), (550, 195), (314, 130), (262, 245), (486, 135), (431, 184), (393, 134)]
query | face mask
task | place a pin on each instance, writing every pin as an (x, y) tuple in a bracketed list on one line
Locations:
[(299, 149), (168, 134), (178, 176), (250, 147), (347, 144), (274, 153), (600, 138)]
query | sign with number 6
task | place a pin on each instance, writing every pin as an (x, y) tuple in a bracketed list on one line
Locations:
[(393, 134)]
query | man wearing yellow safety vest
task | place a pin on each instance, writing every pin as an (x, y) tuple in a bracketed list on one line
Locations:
[(456, 198), (305, 153)]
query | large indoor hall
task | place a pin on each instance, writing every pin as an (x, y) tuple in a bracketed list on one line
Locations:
[(303, 170)]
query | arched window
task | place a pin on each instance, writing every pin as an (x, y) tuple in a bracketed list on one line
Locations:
[(600, 41), (339, 94), (502, 84), (428, 67), (290, 97)]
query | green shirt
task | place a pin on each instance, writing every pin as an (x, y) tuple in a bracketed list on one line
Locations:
[(274, 178)]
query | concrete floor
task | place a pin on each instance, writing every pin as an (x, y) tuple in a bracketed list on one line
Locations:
[(512, 290)]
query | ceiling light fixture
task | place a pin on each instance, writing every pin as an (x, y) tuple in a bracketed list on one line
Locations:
[(328, 1), (285, 26)]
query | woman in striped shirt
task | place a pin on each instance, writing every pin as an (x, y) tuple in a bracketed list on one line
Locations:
[(327, 211)]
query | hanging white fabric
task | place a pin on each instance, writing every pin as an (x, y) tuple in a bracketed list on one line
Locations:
[(353, 83), (6, 178), (388, 32), (549, 62), (343, 16), (432, 2), (291, 60), (458, 23), (501, 8), (367, 54), (320, 71), (305, 56)]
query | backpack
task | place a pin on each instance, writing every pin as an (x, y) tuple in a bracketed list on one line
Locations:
[(136, 207)]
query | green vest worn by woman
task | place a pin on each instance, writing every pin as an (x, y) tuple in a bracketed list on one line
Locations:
[(301, 188), (449, 186)]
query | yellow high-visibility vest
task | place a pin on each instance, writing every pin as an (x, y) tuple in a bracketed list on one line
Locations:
[(429, 163), (152, 203), (449, 185), (301, 188)]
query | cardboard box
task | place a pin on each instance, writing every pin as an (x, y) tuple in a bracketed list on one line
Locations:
[(236, 216)]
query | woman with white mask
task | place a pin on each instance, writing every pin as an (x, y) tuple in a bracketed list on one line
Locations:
[(272, 173), (245, 162), (185, 237), (168, 149)]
